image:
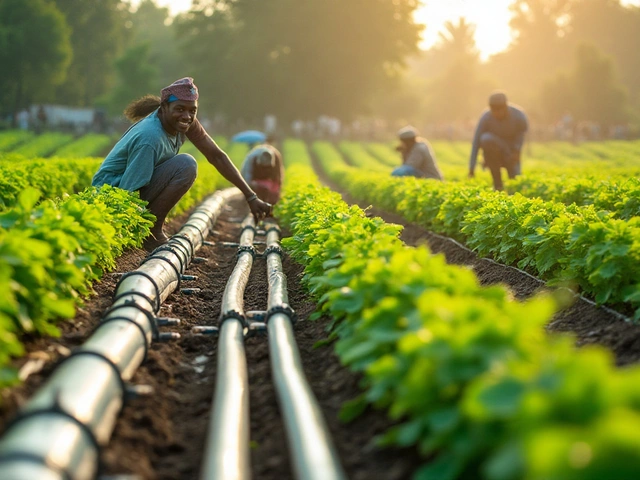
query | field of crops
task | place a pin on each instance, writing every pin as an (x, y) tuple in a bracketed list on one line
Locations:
[(510, 354)]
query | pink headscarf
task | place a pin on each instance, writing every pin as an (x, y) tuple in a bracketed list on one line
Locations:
[(183, 89)]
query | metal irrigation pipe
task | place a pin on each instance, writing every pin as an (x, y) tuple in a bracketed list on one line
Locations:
[(314, 456), (227, 447), (58, 434)]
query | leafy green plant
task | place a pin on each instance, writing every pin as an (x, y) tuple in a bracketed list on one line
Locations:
[(43, 145), (9, 139), (469, 376), (88, 145), (51, 253), (562, 243), (52, 178)]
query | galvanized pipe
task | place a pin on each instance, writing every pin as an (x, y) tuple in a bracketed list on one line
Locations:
[(58, 433), (227, 447), (313, 454), (233, 296)]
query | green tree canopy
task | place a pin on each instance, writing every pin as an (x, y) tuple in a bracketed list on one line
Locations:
[(136, 76), (296, 58), (590, 91), (599, 94), (539, 47), (35, 51), (615, 29), (151, 24), (99, 34)]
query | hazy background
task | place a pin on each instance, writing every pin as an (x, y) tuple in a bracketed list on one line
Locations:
[(369, 61)]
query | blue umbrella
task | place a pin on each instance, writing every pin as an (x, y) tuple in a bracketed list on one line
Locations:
[(249, 136)]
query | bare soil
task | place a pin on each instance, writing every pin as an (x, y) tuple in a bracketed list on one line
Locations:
[(162, 436)]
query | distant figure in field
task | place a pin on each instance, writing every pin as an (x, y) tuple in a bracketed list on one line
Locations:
[(41, 120), (500, 135), (147, 159), (418, 159), (263, 170)]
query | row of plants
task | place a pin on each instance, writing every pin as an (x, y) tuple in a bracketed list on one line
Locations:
[(469, 376), (358, 155), (43, 145), (88, 145), (53, 245), (51, 253), (549, 161), (621, 196), (52, 177), (9, 139), (619, 193), (561, 243)]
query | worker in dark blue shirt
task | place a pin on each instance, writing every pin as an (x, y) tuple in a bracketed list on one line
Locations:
[(500, 135)]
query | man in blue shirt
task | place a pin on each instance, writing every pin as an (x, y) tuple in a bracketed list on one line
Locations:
[(500, 135), (147, 159)]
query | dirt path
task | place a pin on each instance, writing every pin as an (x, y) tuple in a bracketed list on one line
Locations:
[(589, 323), (162, 436)]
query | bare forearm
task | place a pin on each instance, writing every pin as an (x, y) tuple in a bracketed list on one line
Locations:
[(228, 170), (221, 161)]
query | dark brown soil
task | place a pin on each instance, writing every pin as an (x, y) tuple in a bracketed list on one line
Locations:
[(589, 323), (162, 436)]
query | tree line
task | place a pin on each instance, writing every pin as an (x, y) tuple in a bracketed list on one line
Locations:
[(301, 59), (567, 57)]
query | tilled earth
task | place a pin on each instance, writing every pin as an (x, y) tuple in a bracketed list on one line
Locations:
[(162, 436)]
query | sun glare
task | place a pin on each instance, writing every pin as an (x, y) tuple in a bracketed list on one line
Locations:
[(491, 18), (175, 6)]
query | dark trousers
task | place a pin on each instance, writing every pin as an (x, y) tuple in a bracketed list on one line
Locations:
[(170, 181), (497, 154)]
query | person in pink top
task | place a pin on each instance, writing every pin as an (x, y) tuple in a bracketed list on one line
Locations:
[(263, 170), (147, 159)]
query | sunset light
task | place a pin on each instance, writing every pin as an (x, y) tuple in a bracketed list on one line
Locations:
[(407, 224)]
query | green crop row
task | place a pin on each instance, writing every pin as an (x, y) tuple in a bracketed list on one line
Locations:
[(51, 177), (43, 145), (89, 145), (10, 138), (384, 154), (469, 376), (50, 255), (359, 157), (621, 197), (561, 243)]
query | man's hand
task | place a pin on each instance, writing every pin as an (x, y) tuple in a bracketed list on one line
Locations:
[(260, 209), (515, 157)]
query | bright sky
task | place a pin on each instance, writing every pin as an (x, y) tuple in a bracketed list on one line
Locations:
[(491, 18)]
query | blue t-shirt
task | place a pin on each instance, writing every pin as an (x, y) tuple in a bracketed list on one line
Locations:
[(131, 162)]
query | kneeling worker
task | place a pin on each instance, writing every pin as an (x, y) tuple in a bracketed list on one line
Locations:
[(500, 134), (418, 159), (263, 170), (147, 159)]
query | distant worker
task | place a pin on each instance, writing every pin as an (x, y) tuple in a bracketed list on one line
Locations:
[(500, 135), (41, 120), (263, 170), (147, 159), (418, 158)]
